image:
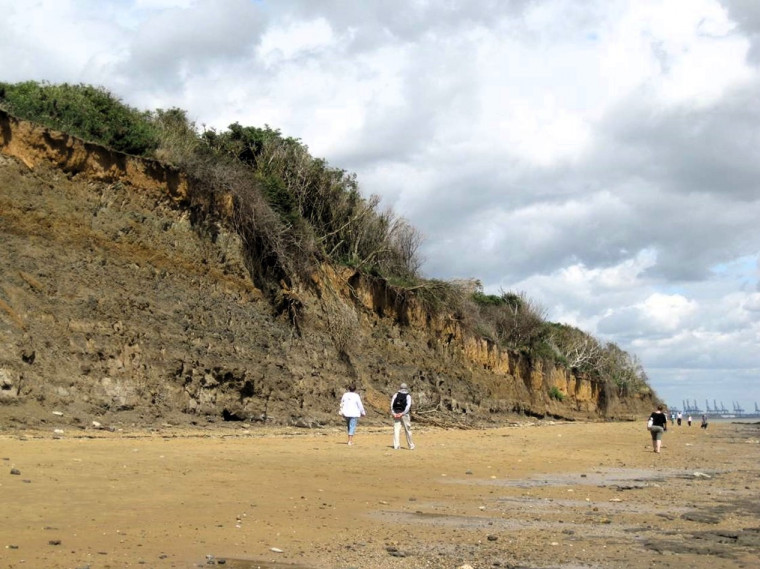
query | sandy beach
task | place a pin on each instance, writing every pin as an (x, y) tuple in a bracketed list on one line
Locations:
[(534, 494)]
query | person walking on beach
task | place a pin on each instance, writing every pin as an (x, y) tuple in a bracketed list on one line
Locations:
[(679, 417), (704, 422), (659, 424), (688, 421), (351, 408), (401, 404)]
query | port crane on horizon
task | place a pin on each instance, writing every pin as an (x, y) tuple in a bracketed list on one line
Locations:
[(715, 408), (690, 407)]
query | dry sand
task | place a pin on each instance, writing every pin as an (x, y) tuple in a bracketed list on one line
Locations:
[(538, 495)]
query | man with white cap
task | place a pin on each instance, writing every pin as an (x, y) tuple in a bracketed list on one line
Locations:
[(401, 403)]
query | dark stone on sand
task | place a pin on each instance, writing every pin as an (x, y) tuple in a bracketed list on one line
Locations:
[(701, 517)]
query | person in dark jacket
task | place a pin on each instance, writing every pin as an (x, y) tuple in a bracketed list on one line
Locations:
[(401, 404), (659, 425)]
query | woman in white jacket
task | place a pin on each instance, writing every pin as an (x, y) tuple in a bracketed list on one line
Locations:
[(351, 408)]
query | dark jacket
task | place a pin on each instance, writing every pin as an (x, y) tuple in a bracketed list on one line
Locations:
[(659, 419)]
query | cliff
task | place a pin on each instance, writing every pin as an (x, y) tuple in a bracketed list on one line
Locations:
[(121, 300)]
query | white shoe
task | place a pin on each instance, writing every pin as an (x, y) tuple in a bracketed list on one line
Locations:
[(411, 447)]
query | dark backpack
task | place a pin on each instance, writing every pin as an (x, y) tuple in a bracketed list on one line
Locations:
[(399, 402)]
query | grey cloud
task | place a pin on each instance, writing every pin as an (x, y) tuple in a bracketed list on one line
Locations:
[(186, 41), (374, 21), (686, 166), (430, 95), (687, 149), (746, 14)]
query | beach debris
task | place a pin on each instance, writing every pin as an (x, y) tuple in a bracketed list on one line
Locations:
[(54, 542), (58, 431), (492, 537), (465, 566), (395, 551), (15, 472), (701, 475), (275, 550), (58, 413)]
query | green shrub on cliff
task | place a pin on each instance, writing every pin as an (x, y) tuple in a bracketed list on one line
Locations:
[(91, 113), (349, 229), (556, 393), (517, 322)]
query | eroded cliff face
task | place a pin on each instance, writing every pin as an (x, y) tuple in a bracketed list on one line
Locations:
[(116, 304)]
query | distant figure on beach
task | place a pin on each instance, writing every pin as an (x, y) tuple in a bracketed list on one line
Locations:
[(673, 418), (704, 422), (679, 417), (401, 404), (688, 420), (659, 421), (351, 408)]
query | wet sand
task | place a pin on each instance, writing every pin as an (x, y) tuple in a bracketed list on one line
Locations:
[(539, 495)]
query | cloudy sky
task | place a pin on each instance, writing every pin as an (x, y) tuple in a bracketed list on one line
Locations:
[(601, 156)]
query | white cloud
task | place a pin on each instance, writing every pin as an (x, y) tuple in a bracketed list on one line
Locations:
[(297, 39), (667, 311), (752, 303)]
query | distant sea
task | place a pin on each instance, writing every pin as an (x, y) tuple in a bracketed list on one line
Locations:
[(698, 420)]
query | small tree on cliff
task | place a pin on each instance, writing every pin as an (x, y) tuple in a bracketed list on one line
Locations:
[(577, 349)]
